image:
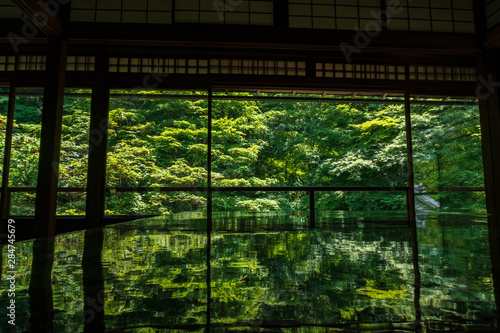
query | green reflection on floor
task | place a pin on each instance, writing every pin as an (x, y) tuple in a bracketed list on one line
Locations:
[(267, 270)]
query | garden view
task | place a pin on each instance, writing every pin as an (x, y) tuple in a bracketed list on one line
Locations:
[(160, 140), (260, 265)]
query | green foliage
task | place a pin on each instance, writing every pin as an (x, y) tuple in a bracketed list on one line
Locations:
[(157, 142), (448, 153)]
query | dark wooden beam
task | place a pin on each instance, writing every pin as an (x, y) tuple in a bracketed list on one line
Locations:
[(175, 81), (191, 81), (216, 36), (43, 14), (392, 57), (487, 92), (50, 141), (489, 109), (494, 241), (480, 20), (98, 144), (186, 81)]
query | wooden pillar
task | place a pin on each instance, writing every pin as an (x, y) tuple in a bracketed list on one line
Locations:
[(50, 142), (209, 212), (281, 14), (312, 211), (98, 145), (410, 198), (494, 240), (5, 203), (489, 109), (383, 14)]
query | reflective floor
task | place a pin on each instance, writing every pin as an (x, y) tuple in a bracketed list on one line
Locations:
[(269, 272)]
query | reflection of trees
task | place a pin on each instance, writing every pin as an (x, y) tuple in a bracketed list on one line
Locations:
[(456, 276), (317, 277), (93, 281), (155, 274), (40, 291), (154, 277)]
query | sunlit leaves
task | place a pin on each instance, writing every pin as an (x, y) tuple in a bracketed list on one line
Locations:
[(164, 142)]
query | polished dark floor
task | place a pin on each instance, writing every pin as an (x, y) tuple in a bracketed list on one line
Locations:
[(263, 271)]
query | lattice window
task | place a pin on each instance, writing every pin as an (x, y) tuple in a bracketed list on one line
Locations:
[(122, 11), (393, 72), (360, 71), (246, 12), (38, 63), (208, 66), (431, 15), (442, 73), (80, 63), (7, 63), (335, 14), (30, 63)]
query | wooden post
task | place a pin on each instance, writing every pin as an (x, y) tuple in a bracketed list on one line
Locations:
[(312, 211), (50, 142), (411, 214), (5, 205), (98, 146), (383, 14), (409, 156), (489, 111), (281, 14), (209, 212)]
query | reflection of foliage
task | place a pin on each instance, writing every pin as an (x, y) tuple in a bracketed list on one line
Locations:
[(453, 270), (157, 276), (163, 142), (313, 277)]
